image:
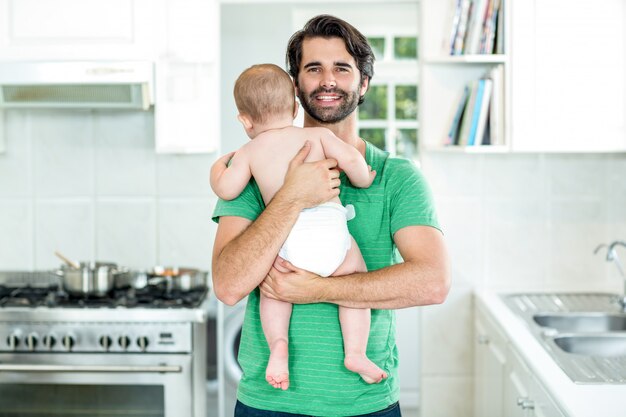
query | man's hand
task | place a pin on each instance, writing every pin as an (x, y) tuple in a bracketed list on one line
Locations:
[(312, 183), (288, 283)]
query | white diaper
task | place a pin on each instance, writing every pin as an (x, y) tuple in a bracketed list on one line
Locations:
[(319, 241)]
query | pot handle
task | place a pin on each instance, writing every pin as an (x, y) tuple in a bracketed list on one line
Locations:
[(58, 273)]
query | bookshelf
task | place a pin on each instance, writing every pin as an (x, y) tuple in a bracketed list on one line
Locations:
[(563, 67), (444, 77)]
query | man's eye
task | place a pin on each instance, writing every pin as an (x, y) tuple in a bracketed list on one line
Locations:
[(314, 69)]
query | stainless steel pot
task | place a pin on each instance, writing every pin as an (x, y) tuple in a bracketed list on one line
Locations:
[(178, 279), (91, 279)]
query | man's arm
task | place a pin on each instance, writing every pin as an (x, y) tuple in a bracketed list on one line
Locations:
[(244, 251), (422, 279)]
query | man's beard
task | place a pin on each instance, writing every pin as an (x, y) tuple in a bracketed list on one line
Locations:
[(329, 115)]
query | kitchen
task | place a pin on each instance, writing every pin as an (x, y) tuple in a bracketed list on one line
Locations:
[(108, 185)]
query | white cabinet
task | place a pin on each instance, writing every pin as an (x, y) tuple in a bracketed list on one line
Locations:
[(569, 89), (504, 384), (77, 30), (181, 38), (489, 363), (564, 85)]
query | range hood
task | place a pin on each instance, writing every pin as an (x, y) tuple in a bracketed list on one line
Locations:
[(77, 85)]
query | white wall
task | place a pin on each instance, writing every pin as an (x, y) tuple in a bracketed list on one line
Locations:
[(89, 184), (513, 222)]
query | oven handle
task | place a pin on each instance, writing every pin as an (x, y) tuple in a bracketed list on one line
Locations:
[(89, 368)]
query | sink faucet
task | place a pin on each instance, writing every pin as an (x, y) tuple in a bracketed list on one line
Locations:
[(611, 255)]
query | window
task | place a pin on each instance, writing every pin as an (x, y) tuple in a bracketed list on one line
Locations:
[(388, 117)]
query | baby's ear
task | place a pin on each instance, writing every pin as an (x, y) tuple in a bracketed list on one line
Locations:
[(296, 106), (245, 120)]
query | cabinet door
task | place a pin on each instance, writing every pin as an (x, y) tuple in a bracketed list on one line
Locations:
[(568, 89), (489, 362), (517, 399), (543, 404)]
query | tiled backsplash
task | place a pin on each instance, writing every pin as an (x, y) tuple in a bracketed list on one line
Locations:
[(513, 222), (90, 184)]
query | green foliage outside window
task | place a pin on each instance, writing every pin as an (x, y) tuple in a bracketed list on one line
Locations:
[(374, 136), (406, 102), (406, 142), (378, 46), (405, 47), (375, 105)]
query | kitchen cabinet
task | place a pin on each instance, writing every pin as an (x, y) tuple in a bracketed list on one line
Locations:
[(564, 86), (179, 37), (489, 362), (504, 384)]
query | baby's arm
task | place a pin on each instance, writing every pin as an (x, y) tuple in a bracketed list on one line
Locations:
[(228, 181), (348, 158)]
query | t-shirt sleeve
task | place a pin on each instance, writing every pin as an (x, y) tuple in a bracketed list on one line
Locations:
[(249, 204), (411, 202)]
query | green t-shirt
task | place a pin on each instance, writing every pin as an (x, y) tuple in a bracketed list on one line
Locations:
[(320, 385)]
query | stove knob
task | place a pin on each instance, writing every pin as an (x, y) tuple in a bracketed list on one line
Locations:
[(13, 341), (105, 342), (49, 341), (124, 341), (68, 342), (142, 341), (31, 341)]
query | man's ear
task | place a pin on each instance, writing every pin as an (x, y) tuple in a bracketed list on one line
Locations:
[(364, 86), (245, 120)]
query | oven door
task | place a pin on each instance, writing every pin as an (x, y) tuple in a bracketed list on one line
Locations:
[(87, 385)]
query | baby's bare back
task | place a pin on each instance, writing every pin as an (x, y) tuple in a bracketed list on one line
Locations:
[(270, 153)]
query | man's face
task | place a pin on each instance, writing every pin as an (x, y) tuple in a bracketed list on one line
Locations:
[(329, 81)]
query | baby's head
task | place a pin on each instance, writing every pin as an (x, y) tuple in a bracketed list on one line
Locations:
[(265, 92)]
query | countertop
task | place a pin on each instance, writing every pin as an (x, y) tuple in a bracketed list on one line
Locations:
[(577, 400)]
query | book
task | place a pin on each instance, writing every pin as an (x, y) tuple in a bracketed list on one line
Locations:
[(466, 121), (483, 112), (453, 133), (462, 27), (476, 112), (449, 44), (496, 109), (499, 41), (490, 34), (472, 44)]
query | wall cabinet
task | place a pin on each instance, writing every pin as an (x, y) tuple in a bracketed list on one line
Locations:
[(564, 86), (181, 38), (504, 384)]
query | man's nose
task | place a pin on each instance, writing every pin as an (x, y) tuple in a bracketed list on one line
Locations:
[(328, 82)]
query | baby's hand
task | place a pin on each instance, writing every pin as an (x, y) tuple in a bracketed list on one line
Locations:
[(372, 175)]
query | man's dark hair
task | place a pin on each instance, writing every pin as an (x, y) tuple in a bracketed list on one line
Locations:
[(326, 26)]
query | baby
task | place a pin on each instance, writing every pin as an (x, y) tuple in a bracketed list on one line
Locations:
[(319, 240)]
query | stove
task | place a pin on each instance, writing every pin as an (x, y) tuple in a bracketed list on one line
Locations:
[(151, 296), (150, 342)]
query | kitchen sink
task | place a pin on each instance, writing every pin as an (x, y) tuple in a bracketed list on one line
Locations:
[(602, 345), (582, 322), (585, 333)]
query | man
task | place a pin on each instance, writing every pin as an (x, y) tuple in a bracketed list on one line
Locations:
[(331, 64)]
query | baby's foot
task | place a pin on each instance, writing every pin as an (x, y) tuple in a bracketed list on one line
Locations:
[(277, 371), (368, 370)]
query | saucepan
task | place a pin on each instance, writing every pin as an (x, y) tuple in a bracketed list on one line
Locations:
[(89, 278), (173, 278)]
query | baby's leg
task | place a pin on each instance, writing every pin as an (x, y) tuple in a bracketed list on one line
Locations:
[(275, 317), (355, 325)]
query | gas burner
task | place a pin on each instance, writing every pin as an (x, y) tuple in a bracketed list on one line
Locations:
[(25, 296), (151, 296)]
